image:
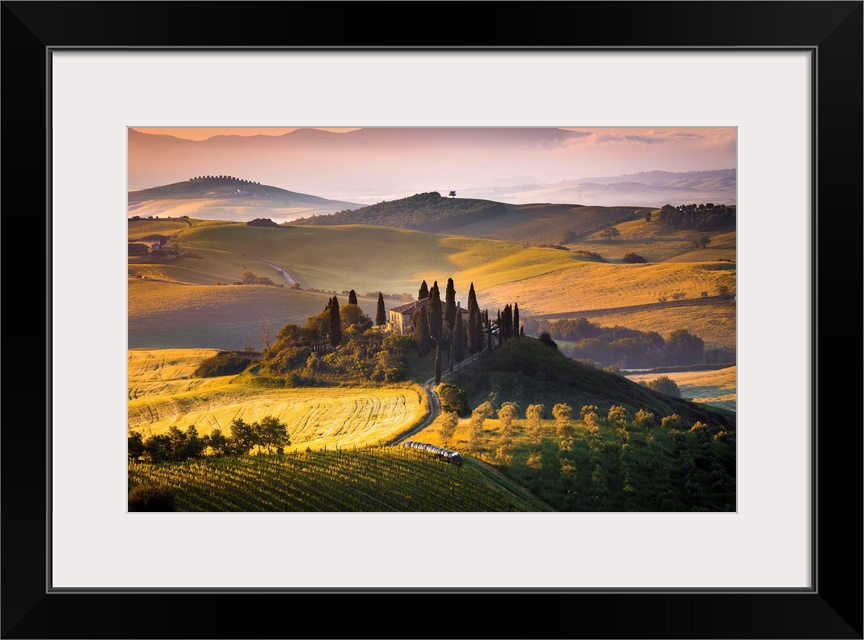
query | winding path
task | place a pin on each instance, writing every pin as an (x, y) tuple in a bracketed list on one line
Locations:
[(434, 400), (291, 280)]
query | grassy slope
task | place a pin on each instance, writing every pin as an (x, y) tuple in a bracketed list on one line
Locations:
[(528, 372), (164, 315), (162, 395), (395, 261), (363, 258), (545, 223), (385, 479), (658, 243), (593, 285)]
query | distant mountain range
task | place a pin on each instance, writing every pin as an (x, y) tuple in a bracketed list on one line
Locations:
[(647, 189)]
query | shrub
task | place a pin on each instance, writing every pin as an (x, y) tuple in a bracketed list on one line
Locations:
[(634, 258), (453, 399), (665, 384), (151, 497), (546, 339), (225, 363)]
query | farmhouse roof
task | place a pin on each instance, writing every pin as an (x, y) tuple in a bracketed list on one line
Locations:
[(410, 307)]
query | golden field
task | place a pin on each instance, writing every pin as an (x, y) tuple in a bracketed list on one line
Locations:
[(162, 395)]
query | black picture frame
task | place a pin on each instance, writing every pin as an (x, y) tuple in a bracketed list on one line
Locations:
[(832, 608)]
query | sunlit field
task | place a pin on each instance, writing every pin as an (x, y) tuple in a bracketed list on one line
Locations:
[(316, 417), (604, 286), (716, 388), (715, 324)]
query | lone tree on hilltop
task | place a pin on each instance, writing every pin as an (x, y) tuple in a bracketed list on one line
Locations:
[(452, 194), (335, 323), (381, 315)]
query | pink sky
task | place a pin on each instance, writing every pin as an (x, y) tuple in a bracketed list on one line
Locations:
[(202, 133), (363, 165)]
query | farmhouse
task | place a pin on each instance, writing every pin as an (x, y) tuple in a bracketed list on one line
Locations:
[(399, 318)]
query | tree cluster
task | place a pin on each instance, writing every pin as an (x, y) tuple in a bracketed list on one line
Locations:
[(698, 217), (249, 277), (266, 435), (241, 180), (262, 222), (626, 347), (225, 363)]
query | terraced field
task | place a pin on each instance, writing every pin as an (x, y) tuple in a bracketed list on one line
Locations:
[(161, 395)]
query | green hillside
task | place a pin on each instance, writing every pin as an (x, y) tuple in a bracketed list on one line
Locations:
[(373, 479), (533, 223), (526, 371), (180, 288)]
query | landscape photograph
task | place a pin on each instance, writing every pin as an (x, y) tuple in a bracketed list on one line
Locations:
[(477, 319)]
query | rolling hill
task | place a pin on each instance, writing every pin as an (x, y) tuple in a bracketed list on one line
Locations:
[(228, 198), (178, 295), (542, 223)]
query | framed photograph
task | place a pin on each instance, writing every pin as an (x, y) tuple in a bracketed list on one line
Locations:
[(102, 102)]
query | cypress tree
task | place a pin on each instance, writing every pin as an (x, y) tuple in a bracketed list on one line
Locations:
[(424, 291), (516, 320), (352, 297), (459, 337), (436, 313), (479, 329), (450, 304), (381, 315), (420, 323), (437, 363), (335, 323), (507, 321), (471, 332), (472, 298)]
